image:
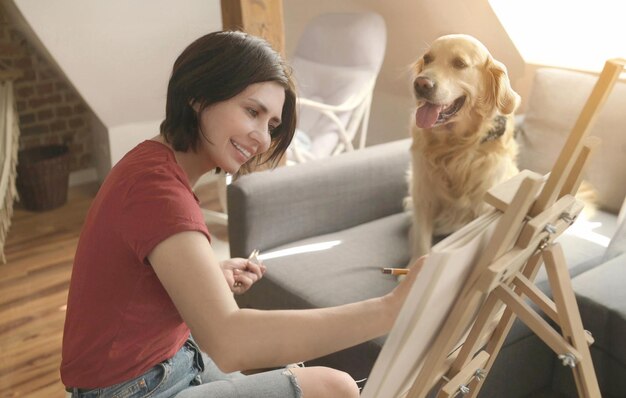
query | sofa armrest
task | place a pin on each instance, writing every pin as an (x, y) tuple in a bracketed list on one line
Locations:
[(270, 208)]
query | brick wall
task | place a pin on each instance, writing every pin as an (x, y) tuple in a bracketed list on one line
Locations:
[(50, 110)]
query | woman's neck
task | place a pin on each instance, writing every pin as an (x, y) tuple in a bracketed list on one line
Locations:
[(188, 161)]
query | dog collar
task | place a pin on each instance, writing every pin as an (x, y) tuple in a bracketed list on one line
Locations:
[(499, 126)]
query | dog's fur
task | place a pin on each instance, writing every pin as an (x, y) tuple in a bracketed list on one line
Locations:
[(464, 101)]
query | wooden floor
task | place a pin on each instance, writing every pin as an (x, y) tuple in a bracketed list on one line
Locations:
[(33, 292)]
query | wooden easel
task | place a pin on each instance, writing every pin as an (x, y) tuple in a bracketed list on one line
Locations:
[(535, 212)]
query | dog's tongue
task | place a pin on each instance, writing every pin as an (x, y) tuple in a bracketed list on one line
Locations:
[(427, 115)]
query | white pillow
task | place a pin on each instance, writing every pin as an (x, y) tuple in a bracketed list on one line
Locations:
[(556, 99)]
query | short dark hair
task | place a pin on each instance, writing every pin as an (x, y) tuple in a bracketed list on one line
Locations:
[(215, 68)]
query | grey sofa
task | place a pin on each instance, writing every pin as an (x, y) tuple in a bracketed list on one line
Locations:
[(351, 208), (327, 227)]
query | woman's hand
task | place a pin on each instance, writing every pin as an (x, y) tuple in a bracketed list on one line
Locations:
[(398, 295), (241, 273)]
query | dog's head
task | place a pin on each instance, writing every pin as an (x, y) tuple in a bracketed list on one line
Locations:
[(457, 76)]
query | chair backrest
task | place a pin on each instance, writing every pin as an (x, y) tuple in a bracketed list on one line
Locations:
[(344, 39), (337, 59)]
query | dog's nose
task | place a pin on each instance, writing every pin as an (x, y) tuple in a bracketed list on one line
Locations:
[(423, 86)]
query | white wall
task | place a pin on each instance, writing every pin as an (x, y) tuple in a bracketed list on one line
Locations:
[(128, 135), (118, 54)]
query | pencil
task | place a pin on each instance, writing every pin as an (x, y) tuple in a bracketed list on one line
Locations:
[(395, 271), (254, 257)]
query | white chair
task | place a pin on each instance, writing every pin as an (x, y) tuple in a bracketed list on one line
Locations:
[(335, 64)]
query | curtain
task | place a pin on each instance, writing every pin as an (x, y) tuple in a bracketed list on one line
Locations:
[(9, 136)]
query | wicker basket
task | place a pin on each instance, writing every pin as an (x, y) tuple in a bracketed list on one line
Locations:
[(43, 177)]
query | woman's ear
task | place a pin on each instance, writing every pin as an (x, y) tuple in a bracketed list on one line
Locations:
[(499, 88), (195, 105)]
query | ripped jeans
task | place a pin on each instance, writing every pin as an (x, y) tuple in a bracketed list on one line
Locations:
[(192, 374)]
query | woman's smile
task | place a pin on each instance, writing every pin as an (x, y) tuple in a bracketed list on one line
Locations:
[(243, 151), (239, 128)]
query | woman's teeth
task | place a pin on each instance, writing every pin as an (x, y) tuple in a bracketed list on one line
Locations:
[(241, 149)]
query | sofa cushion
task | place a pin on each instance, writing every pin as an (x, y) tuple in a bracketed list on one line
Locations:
[(553, 108), (273, 207), (520, 369), (318, 277)]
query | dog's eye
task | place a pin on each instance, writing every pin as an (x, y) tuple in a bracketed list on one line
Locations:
[(428, 59), (458, 63)]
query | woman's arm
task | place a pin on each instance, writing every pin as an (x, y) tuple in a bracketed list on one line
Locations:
[(239, 339)]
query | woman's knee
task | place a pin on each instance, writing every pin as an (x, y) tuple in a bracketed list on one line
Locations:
[(325, 382), (342, 383)]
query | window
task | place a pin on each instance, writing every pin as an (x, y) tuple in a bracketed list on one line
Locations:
[(565, 33)]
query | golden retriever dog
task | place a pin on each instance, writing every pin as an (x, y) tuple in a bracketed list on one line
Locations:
[(463, 140)]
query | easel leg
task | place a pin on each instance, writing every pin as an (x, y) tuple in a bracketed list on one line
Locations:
[(504, 326), (573, 333), (570, 321)]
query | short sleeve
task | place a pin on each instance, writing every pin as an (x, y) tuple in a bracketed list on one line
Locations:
[(157, 206)]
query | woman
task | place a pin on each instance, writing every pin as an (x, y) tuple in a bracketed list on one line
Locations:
[(145, 275)]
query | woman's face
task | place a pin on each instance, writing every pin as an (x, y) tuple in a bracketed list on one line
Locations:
[(240, 127)]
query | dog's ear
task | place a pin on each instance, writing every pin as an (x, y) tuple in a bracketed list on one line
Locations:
[(417, 66), (499, 87)]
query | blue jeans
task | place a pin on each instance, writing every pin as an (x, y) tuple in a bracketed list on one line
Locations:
[(192, 374)]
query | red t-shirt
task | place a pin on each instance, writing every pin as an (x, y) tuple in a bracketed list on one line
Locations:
[(120, 321)]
